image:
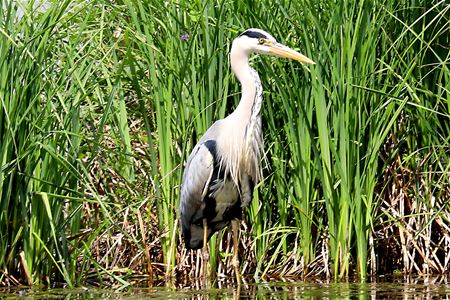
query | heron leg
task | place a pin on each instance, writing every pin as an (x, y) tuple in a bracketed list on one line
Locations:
[(205, 250), (235, 227)]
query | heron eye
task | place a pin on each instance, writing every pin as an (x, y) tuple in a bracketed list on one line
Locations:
[(261, 41)]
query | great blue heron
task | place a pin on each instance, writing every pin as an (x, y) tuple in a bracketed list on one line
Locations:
[(225, 164)]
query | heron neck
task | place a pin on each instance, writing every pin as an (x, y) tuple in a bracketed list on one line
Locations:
[(250, 84)]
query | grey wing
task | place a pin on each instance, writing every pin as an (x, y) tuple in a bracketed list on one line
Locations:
[(196, 178)]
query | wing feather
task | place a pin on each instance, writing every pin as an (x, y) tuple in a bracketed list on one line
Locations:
[(196, 179)]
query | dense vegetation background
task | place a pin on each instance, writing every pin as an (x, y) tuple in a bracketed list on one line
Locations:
[(102, 101)]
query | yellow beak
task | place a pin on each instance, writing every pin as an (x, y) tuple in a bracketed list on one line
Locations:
[(283, 51)]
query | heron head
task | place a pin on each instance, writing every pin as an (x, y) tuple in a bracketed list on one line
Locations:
[(255, 40)]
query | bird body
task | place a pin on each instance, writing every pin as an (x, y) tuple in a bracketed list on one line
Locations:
[(225, 164), (223, 168)]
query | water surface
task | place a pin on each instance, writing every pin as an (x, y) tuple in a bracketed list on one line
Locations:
[(392, 288)]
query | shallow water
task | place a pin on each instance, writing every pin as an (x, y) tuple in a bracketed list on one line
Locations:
[(400, 288)]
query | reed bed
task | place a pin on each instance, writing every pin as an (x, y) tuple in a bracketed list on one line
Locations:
[(102, 101)]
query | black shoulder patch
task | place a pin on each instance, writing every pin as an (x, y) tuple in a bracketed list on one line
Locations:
[(211, 146), (254, 34)]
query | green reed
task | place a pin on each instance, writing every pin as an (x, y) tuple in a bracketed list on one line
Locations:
[(102, 102), (39, 146)]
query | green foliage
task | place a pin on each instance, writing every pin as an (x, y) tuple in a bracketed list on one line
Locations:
[(101, 103)]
